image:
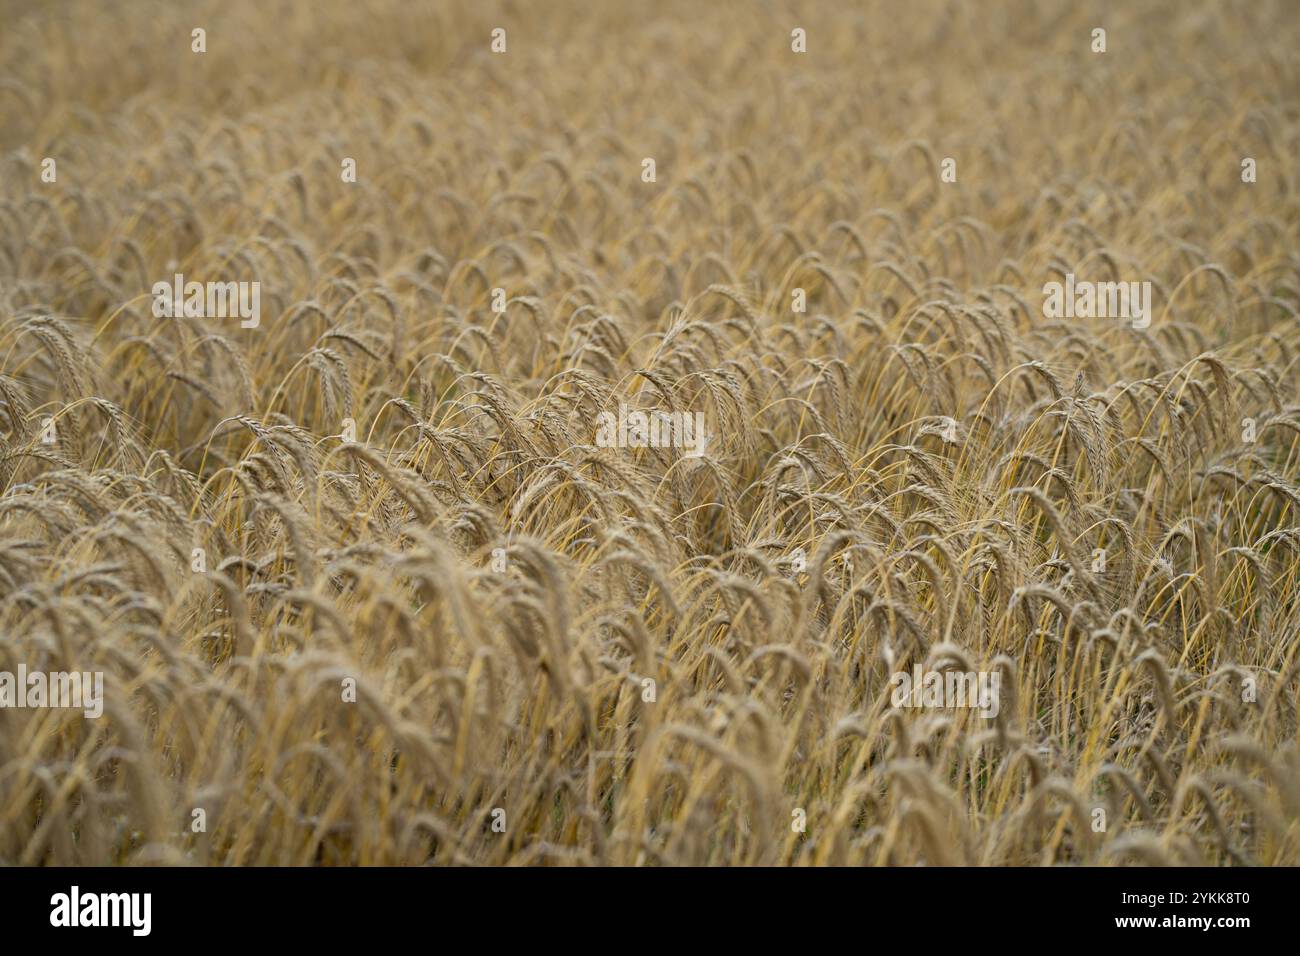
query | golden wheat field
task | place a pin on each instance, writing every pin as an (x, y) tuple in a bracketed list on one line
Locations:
[(364, 580)]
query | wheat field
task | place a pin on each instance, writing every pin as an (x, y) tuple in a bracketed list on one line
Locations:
[(363, 585)]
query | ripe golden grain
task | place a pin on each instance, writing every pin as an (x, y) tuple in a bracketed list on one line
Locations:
[(674, 654)]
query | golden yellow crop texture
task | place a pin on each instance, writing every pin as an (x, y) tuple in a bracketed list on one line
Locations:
[(365, 588)]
